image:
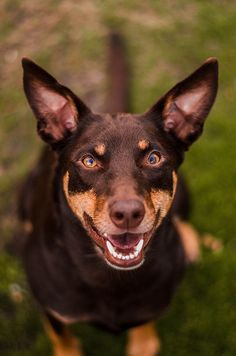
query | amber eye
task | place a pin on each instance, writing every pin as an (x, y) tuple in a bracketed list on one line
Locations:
[(89, 162), (153, 159)]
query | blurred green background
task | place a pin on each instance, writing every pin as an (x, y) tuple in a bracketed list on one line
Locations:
[(166, 41)]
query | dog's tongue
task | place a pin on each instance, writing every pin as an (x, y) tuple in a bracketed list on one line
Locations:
[(125, 241)]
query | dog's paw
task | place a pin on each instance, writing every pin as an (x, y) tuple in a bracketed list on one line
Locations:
[(143, 341), (72, 349), (212, 243), (149, 347)]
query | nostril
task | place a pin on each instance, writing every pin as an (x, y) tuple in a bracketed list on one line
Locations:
[(137, 215), (118, 215)]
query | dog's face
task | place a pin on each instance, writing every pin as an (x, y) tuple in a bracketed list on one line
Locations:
[(119, 181), (119, 171)]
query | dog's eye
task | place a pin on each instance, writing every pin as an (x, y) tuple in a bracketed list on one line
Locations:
[(153, 158), (89, 162)]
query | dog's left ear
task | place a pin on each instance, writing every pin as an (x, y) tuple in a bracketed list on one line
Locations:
[(185, 107), (56, 108)]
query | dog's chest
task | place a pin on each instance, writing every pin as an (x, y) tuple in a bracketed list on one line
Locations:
[(98, 295), (115, 307)]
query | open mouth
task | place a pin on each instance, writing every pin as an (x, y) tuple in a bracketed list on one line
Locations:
[(124, 251)]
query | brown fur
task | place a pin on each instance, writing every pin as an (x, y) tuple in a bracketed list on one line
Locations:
[(99, 235)]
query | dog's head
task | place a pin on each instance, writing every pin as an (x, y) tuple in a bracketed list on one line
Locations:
[(119, 171)]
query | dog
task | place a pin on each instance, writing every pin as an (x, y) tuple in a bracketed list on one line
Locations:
[(104, 209)]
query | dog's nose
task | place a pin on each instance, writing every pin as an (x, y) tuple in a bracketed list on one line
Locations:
[(127, 213)]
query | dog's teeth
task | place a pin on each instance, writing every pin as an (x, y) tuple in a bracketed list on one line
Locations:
[(120, 256), (105, 234), (139, 246), (110, 248)]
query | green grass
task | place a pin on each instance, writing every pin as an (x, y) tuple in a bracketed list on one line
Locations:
[(165, 42)]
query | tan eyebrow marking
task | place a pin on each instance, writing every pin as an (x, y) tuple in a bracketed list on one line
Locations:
[(143, 144), (100, 149)]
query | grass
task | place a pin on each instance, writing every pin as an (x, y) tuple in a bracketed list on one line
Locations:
[(165, 42)]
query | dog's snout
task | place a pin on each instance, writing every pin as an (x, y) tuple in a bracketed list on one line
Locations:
[(127, 213)]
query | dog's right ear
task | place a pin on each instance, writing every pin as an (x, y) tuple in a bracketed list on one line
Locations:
[(56, 108), (185, 107)]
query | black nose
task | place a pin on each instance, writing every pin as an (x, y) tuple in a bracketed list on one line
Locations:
[(127, 213)]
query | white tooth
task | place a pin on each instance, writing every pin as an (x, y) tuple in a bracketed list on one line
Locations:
[(135, 253), (123, 257), (110, 247), (139, 245), (105, 234), (115, 254), (131, 255), (127, 257), (119, 256)]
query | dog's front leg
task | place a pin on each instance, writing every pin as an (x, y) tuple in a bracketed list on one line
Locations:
[(64, 343), (143, 341)]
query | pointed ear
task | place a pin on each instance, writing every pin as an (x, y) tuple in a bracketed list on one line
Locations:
[(185, 107), (56, 108)]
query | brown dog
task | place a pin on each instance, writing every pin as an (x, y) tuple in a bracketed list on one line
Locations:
[(104, 208)]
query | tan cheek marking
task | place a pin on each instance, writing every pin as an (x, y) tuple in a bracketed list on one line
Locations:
[(100, 149), (80, 203), (143, 144), (175, 181), (162, 200)]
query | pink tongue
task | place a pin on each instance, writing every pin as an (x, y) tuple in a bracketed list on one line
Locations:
[(125, 241)]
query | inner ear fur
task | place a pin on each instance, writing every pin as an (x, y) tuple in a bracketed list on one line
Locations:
[(55, 106), (185, 107)]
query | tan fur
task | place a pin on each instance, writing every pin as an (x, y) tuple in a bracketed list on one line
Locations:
[(143, 144), (143, 341), (97, 209), (168, 104), (100, 149), (65, 344), (27, 226), (162, 200), (212, 243), (80, 202), (190, 240)]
